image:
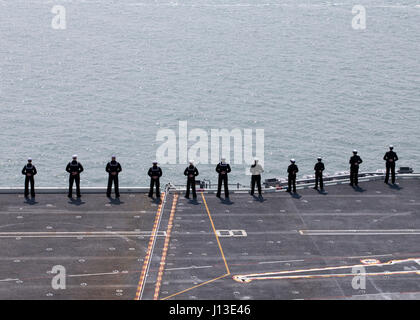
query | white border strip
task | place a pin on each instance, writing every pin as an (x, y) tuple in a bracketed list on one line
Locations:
[(62, 190)]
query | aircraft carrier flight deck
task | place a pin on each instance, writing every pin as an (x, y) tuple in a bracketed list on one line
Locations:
[(281, 246)]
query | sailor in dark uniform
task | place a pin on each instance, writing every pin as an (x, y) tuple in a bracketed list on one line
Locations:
[(154, 173), (390, 157), (29, 171), (113, 168), (354, 162), (223, 169), (319, 169), (74, 168), (292, 170), (191, 172)]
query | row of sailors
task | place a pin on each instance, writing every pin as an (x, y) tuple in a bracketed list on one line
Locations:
[(75, 168)]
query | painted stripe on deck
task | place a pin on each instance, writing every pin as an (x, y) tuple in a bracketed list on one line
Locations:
[(359, 232)]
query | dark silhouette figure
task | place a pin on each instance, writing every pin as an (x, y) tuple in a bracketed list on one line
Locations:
[(154, 173), (29, 171), (74, 168), (113, 168), (223, 169), (319, 169), (292, 170), (390, 158), (191, 172), (354, 162)]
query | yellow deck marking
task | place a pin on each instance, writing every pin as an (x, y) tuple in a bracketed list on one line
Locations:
[(165, 248), (149, 249), (215, 233), (198, 285), (221, 251)]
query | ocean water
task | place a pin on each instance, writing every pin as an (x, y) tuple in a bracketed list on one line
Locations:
[(125, 69)]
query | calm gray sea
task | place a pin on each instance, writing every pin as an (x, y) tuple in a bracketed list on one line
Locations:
[(124, 69)]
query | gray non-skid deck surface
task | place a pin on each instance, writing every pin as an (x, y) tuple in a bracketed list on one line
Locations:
[(275, 242), (98, 266), (282, 233)]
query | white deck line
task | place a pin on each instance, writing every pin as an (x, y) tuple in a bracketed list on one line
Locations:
[(64, 190), (372, 232), (81, 234)]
